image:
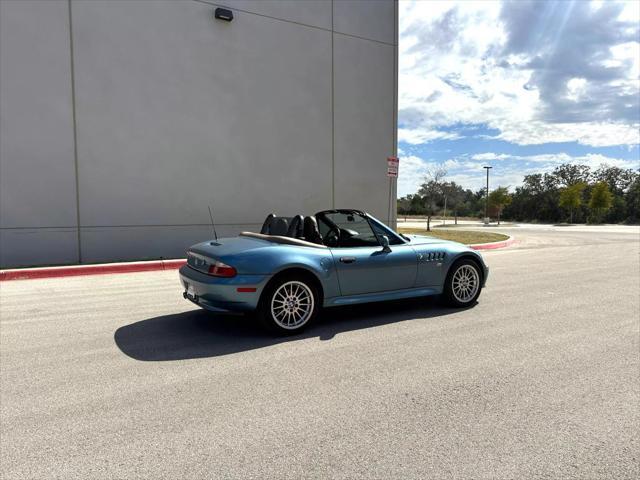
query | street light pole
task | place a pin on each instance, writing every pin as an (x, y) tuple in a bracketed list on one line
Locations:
[(486, 204), (444, 220)]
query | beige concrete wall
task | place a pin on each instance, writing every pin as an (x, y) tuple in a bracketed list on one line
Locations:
[(126, 119)]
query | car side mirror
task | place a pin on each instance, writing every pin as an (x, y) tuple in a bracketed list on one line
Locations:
[(385, 243)]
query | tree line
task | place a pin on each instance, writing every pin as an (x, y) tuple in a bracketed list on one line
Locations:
[(569, 194)]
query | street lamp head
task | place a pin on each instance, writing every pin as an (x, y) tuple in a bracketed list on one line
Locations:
[(487, 167)]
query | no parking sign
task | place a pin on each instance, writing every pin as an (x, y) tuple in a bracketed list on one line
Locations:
[(392, 167)]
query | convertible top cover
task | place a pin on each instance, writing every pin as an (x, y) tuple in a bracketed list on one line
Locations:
[(283, 239)]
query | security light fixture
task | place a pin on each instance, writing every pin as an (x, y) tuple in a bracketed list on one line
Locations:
[(223, 14)]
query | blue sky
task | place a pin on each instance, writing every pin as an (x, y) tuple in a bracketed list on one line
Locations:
[(521, 85)]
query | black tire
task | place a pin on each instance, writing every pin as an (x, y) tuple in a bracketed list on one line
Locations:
[(276, 323), (452, 296)]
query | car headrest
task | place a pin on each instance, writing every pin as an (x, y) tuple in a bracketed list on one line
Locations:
[(267, 223), (279, 227), (295, 227), (310, 230)]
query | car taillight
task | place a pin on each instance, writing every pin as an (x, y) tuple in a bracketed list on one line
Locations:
[(219, 269)]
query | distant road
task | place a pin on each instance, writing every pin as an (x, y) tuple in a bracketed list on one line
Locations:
[(631, 229), (116, 376)]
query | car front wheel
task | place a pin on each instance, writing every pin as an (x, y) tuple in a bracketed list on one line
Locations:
[(463, 284), (289, 305)]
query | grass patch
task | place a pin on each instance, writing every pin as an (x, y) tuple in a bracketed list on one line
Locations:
[(468, 237)]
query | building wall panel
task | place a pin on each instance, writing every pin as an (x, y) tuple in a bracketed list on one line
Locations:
[(364, 122), (177, 111), (372, 19), (37, 179)]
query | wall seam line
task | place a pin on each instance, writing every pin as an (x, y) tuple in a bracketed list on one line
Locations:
[(364, 38), (333, 121), (396, 39), (213, 4), (75, 130)]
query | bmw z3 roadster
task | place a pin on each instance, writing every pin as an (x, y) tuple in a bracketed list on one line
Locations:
[(296, 265)]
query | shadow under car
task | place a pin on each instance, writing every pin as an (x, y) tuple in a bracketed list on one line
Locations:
[(201, 334)]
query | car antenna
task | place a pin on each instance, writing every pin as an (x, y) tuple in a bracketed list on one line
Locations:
[(213, 227)]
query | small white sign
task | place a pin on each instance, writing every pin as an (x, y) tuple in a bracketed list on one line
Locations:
[(392, 166)]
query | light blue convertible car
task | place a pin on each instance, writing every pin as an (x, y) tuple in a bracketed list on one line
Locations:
[(296, 265)]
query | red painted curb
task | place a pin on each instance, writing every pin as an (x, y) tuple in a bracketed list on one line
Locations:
[(494, 245), (76, 270)]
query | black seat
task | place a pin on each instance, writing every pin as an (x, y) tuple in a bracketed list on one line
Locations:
[(279, 226), (295, 227), (267, 223), (310, 230)]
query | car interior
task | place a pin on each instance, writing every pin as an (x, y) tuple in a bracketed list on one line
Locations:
[(330, 228), (298, 226)]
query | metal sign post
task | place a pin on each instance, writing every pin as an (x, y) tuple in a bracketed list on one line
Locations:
[(392, 172)]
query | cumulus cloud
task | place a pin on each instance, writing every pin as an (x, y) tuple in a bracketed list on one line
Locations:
[(420, 136), (411, 174), (537, 72), (568, 46), (490, 156)]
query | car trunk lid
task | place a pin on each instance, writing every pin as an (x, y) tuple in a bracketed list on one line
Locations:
[(199, 256)]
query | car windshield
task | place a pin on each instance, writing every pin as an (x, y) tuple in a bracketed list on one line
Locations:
[(381, 229), (354, 230)]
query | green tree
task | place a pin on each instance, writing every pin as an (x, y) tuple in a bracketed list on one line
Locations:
[(571, 198), (454, 195), (498, 199), (600, 201), (535, 200), (431, 191), (404, 206), (570, 174), (632, 199), (619, 180)]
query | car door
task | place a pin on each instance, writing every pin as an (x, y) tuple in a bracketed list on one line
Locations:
[(362, 264), (369, 269)]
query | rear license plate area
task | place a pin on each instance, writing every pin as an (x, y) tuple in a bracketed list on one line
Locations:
[(190, 293)]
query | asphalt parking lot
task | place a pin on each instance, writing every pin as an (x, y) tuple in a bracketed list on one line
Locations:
[(116, 376)]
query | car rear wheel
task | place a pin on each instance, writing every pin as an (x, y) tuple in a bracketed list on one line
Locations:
[(463, 284), (288, 305)]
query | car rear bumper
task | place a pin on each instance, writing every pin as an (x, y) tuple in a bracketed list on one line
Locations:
[(217, 294)]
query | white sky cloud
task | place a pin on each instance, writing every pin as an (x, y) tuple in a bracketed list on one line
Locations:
[(417, 137), (538, 72), (411, 174)]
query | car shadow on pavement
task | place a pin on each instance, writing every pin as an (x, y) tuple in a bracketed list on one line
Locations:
[(201, 334)]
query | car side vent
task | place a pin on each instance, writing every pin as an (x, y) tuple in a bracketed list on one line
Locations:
[(433, 256)]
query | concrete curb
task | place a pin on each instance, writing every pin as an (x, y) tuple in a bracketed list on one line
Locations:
[(129, 267), (494, 245), (76, 270)]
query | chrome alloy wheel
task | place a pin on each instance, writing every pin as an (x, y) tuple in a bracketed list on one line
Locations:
[(292, 304), (465, 283)]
